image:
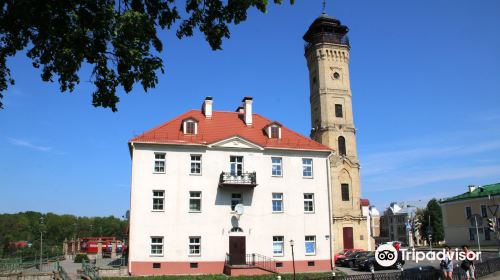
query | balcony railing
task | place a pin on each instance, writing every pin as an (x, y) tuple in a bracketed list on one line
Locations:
[(238, 179), (328, 38), (255, 260)]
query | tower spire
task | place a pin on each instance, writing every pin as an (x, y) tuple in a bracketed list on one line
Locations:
[(324, 6)]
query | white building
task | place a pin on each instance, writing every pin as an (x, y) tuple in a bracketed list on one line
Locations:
[(190, 172), (373, 225)]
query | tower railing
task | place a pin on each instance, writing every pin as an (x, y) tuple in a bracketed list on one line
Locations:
[(327, 38)]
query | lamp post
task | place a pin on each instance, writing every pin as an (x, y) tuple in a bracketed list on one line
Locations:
[(41, 241), (293, 258)]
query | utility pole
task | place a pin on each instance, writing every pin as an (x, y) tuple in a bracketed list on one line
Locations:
[(429, 231), (478, 242)]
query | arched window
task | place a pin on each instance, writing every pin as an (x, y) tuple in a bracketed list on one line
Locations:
[(342, 150)]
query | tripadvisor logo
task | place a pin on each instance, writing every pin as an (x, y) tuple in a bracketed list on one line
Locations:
[(386, 255)]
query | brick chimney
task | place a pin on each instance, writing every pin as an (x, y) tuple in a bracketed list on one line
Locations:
[(207, 107), (247, 110)]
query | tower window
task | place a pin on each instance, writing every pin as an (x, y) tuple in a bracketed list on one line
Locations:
[(336, 75), (342, 149), (345, 192), (338, 111)]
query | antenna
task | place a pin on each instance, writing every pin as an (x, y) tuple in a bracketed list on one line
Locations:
[(324, 6)]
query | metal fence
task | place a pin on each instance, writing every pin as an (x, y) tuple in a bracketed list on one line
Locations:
[(481, 269), (90, 270), (110, 263), (15, 265)]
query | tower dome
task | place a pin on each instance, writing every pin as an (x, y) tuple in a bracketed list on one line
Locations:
[(326, 29)]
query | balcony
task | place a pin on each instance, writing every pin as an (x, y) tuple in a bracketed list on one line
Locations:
[(244, 179)]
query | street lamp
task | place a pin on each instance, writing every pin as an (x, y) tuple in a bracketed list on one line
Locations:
[(293, 258), (41, 241)]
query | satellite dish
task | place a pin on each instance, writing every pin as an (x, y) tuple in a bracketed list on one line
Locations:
[(239, 209)]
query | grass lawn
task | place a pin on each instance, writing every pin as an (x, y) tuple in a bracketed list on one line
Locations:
[(301, 276)]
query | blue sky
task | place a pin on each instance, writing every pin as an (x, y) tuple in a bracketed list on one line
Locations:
[(426, 93)]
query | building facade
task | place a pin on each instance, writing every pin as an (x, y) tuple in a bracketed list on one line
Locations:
[(399, 223), (216, 192), (465, 216), (327, 54), (373, 225)]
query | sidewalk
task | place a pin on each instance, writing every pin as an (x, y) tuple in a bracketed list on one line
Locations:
[(493, 276), (70, 267)]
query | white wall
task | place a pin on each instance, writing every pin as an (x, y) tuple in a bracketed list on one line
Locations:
[(176, 224)]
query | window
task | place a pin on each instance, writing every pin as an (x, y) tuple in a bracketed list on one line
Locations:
[(193, 265), (190, 128), (157, 245), (342, 149), (307, 167), (194, 246), (158, 200), (308, 203), (275, 131), (236, 165), (194, 201), (159, 163), (277, 202), (338, 111), (277, 166), (195, 164), (345, 192), (471, 233), (236, 198), (278, 245), (311, 263), (279, 264), (484, 211), (468, 212), (487, 235), (310, 244), (156, 265)]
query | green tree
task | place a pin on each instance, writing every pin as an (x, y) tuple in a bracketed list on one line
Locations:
[(26, 227), (433, 210), (118, 38)]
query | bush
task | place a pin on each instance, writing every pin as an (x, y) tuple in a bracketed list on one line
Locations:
[(80, 258)]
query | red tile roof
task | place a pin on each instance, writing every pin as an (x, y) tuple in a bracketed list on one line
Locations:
[(364, 202), (224, 125)]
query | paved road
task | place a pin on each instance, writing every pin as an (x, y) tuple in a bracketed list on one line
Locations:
[(412, 264), (70, 267)]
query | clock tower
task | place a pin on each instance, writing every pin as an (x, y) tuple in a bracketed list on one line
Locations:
[(327, 54)]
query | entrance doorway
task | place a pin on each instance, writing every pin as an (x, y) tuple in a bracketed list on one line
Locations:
[(237, 250), (348, 238)]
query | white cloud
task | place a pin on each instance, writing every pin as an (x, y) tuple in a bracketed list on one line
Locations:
[(28, 144)]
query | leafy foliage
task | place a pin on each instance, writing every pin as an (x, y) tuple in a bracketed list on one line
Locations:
[(26, 226), (80, 258), (436, 221), (119, 38)]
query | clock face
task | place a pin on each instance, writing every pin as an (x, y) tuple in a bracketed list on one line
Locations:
[(336, 75)]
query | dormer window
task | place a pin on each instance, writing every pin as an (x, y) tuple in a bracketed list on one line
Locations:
[(273, 130), (190, 126)]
